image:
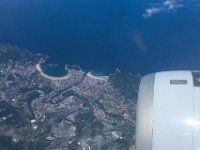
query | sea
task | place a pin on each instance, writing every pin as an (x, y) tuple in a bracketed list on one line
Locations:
[(102, 35)]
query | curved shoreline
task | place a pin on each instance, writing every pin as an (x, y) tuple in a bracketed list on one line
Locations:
[(38, 67), (91, 75)]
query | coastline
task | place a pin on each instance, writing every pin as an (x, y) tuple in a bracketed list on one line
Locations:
[(42, 73), (91, 75)]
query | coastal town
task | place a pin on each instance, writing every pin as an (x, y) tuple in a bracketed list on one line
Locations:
[(77, 111)]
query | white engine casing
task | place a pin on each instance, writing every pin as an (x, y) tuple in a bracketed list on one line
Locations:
[(168, 111)]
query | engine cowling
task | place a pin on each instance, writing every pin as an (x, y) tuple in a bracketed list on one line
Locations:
[(168, 111)]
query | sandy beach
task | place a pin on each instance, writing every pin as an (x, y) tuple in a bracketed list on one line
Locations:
[(91, 75), (38, 67)]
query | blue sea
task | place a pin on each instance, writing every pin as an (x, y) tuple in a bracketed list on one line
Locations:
[(102, 35)]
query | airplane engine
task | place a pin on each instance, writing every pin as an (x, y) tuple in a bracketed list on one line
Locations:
[(168, 111)]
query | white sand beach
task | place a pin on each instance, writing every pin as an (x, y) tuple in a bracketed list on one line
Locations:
[(91, 75), (38, 67)]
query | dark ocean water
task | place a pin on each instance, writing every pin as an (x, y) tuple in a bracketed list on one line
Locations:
[(102, 35)]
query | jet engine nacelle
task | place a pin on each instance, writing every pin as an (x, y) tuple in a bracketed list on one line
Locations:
[(168, 111)]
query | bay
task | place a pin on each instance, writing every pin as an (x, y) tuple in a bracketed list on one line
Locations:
[(102, 35)]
